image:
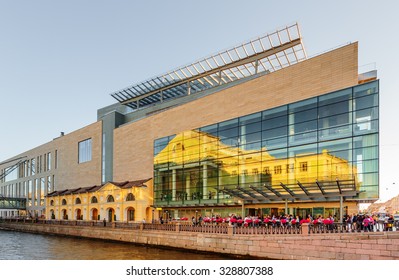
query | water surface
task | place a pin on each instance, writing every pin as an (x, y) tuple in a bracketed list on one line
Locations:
[(28, 246)]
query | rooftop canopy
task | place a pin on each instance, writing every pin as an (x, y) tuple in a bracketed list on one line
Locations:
[(262, 55), (300, 192)]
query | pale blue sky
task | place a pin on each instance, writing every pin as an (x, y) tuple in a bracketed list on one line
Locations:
[(60, 60)]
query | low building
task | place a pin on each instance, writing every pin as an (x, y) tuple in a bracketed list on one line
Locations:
[(127, 201)]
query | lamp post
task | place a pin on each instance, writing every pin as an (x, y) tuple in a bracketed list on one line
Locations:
[(167, 216), (153, 215), (196, 213)]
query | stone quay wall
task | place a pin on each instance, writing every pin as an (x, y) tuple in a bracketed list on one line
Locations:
[(327, 246)]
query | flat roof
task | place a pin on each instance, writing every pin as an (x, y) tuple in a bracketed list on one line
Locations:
[(265, 54)]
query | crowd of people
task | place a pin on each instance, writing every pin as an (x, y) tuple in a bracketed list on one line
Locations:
[(360, 222), (350, 223)]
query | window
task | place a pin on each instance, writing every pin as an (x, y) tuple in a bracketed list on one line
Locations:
[(85, 150), (303, 166), (33, 166), (52, 202), (103, 167), (178, 147), (64, 202), (277, 169), (49, 187), (93, 199), (56, 159), (130, 197), (110, 198), (48, 166), (290, 168), (77, 201), (266, 170)]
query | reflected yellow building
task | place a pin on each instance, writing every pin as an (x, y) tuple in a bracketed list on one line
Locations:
[(126, 201), (238, 167), (197, 169)]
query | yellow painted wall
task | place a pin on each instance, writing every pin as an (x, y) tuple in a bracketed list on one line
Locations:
[(141, 204)]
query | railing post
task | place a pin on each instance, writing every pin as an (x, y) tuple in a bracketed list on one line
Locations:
[(230, 230), (177, 227), (305, 229)]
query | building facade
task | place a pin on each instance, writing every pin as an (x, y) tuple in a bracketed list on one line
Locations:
[(257, 129), (125, 201), (68, 161)]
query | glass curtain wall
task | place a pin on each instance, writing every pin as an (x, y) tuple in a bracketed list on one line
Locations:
[(326, 138)]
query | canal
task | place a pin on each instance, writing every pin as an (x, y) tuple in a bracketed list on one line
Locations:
[(28, 246)]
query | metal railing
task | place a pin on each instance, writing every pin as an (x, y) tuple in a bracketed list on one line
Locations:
[(213, 228), (269, 229), (205, 228)]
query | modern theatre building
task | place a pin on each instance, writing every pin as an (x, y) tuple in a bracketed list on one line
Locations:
[(257, 129)]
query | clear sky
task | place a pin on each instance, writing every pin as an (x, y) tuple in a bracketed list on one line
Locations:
[(60, 60)]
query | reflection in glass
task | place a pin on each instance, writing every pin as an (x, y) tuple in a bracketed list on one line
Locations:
[(310, 141)]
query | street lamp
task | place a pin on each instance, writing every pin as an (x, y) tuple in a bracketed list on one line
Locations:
[(196, 213), (167, 216)]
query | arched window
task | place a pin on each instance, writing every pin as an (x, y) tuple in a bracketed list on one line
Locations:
[(130, 197), (63, 202), (77, 201), (110, 198), (52, 202), (93, 199)]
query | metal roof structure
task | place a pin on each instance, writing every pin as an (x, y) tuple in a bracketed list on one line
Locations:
[(316, 191), (265, 54)]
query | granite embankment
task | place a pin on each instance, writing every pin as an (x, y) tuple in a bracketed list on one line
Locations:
[(327, 246)]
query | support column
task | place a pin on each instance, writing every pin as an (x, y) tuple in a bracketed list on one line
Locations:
[(173, 185), (341, 208), (220, 194), (286, 206), (188, 189), (205, 181)]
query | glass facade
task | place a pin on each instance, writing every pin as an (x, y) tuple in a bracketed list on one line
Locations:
[(322, 139)]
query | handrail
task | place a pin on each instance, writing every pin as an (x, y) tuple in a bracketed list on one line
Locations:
[(261, 229)]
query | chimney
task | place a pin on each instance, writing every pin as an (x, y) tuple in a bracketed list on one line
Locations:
[(62, 134)]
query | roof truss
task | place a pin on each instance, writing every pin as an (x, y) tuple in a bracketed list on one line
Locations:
[(264, 54)]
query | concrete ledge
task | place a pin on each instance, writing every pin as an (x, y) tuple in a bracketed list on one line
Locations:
[(354, 246)]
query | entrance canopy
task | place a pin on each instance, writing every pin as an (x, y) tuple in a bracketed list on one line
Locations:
[(300, 192)]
